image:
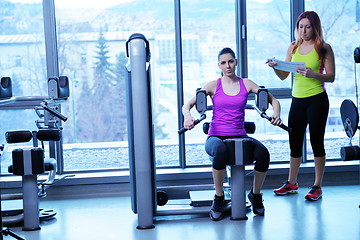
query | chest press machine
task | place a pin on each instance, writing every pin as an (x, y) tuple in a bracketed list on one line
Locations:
[(144, 195), (240, 153)]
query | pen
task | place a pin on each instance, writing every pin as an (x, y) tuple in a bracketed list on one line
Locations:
[(269, 60)]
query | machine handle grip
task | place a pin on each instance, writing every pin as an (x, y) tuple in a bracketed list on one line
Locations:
[(286, 128), (182, 130), (56, 113), (283, 126)]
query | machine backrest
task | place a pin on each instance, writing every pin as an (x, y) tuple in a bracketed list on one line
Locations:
[(5, 88), (59, 87)]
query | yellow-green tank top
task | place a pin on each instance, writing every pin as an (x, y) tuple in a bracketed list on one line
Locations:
[(303, 86)]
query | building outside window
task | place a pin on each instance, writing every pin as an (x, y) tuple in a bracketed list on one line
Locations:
[(22, 47)]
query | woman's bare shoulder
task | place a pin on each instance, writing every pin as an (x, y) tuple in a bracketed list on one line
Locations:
[(210, 87), (250, 85)]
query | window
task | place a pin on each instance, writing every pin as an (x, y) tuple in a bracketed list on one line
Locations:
[(268, 26), (22, 47), (22, 59), (345, 23), (91, 52), (268, 33), (207, 27), (91, 48), (18, 61)]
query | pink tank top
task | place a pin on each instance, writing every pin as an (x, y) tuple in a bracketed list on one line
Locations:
[(228, 112)]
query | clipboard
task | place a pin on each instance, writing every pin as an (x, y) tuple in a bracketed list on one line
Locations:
[(288, 66)]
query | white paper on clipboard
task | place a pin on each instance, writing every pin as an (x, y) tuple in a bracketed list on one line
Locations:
[(288, 66)]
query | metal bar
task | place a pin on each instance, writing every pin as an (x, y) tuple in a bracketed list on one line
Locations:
[(241, 37), (180, 82), (297, 7), (50, 38)]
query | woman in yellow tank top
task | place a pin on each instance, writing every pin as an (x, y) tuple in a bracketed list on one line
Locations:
[(310, 104)]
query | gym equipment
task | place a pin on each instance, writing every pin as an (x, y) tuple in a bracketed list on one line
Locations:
[(239, 155), (350, 118), (141, 140), (5, 88), (262, 104), (201, 107), (30, 162), (46, 107), (58, 88), (140, 131), (144, 196), (357, 55), (7, 231)]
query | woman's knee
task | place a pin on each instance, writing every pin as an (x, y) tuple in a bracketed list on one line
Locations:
[(318, 150), (262, 158), (317, 144), (218, 165), (217, 151), (215, 147), (220, 150)]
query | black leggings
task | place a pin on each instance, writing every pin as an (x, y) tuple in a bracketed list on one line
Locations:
[(313, 111), (218, 152)]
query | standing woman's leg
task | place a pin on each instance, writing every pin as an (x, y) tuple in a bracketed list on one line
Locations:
[(318, 113), (298, 123), (294, 169), (319, 170)]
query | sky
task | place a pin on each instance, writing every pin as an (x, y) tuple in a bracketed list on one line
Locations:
[(80, 3), (92, 3)]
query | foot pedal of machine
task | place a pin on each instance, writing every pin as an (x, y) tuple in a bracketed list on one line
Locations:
[(205, 197)]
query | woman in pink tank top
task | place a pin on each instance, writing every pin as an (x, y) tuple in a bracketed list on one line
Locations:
[(229, 96)]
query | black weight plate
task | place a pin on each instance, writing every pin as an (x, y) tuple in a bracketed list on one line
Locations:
[(162, 198), (349, 116)]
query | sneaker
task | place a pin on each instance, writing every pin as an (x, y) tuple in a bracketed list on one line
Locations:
[(217, 208), (314, 194), (257, 203), (287, 188)]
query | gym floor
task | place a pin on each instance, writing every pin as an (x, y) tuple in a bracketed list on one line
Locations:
[(105, 213)]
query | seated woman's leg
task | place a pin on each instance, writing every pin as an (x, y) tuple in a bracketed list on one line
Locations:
[(262, 160), (217, 151)]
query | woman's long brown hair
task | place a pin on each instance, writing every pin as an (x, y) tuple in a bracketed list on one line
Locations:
[(316, 25)]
